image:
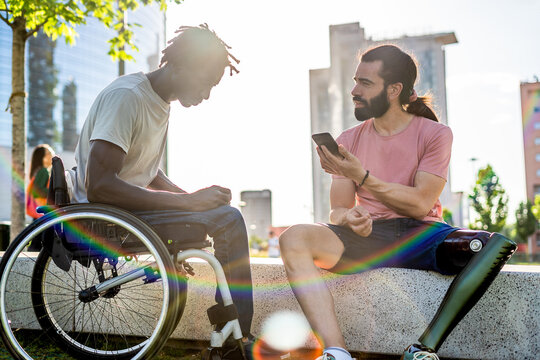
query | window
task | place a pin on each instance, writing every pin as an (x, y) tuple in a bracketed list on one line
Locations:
[(538, 172), (536, 141), (536, 125), (538, 157)]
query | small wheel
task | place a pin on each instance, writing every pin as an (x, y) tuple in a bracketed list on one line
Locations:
[(91, 327), (211, 354)]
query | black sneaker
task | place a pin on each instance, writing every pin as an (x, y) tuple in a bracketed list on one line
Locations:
[(231, 349)]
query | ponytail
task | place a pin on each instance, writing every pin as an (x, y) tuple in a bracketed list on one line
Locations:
[(422, 107)]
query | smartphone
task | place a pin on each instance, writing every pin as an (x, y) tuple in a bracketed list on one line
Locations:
[(328, 141)]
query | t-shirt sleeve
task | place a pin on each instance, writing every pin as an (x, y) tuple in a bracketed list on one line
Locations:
[(436, 157), (115, 119)]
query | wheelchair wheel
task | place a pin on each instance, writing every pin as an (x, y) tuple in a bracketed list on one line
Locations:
[(131, 319)]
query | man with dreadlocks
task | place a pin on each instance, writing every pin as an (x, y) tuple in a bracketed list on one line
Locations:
[(123, 140), (385, 200)]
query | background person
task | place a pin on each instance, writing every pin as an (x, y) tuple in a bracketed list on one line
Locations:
[(273, 245), (36, 192)]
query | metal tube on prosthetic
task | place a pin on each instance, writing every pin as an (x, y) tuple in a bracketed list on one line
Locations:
[(467, 288)]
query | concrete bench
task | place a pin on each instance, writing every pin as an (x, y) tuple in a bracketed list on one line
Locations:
[(382, 311)]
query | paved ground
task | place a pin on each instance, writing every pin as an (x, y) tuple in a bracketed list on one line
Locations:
[(176, 350)]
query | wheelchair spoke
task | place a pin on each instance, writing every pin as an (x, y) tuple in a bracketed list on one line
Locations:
[(144, 301), (125, 322), (131, 311)]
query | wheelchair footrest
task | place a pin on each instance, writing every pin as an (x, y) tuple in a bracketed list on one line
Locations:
[(219, 314)]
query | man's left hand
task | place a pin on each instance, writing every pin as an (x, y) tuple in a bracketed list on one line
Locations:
[(348, 166)]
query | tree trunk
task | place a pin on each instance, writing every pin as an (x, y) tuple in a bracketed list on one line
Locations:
[(18, 147)]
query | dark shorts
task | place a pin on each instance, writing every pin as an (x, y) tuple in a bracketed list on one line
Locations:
[(403, 243)]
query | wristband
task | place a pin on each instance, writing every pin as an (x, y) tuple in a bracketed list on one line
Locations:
[(364, 179)]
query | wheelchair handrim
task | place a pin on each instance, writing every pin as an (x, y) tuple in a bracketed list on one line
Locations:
[(65, 217)]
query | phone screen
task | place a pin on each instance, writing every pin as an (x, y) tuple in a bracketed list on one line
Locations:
[(328, 141)]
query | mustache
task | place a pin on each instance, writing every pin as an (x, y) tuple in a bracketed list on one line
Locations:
[(359, 99)]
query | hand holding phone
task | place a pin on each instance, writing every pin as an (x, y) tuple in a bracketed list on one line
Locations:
[(325, 139)]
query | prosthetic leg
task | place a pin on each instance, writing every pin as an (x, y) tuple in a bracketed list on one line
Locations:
[(481, 255)]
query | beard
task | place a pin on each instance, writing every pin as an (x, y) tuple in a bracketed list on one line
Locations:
[(376, 107)]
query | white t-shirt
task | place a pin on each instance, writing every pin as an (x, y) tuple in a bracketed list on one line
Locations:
[(131, 115)]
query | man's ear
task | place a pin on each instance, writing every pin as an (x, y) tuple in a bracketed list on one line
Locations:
[(394, 90)]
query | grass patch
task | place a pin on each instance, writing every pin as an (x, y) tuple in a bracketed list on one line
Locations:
[(40, 347)]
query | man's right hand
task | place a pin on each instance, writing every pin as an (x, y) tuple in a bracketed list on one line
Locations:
[(358, 220), (209, 198)]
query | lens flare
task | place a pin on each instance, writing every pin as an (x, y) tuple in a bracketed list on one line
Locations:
[(286, 330)]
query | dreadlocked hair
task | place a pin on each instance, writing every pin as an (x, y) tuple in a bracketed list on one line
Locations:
[(198, 43), (398, 66)]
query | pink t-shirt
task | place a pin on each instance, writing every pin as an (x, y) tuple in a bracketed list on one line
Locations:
[(425, 145)]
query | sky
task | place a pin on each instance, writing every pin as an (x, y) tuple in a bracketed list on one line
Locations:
[(254, 131)]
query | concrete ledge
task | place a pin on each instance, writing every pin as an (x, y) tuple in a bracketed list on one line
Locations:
[(382, 311)]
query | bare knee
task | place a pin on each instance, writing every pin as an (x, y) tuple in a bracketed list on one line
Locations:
[(294, 241)]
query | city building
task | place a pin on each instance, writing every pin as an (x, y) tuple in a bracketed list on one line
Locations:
[(530, 111), (62, 82), (256, 207), (331, 104)]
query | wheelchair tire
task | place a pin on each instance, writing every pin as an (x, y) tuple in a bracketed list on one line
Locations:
[(147, 307)]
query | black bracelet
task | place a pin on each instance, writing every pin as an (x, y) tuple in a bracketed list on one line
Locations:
[(364, 179)]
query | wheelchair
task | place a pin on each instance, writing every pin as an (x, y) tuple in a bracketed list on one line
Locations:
[(103, 273)]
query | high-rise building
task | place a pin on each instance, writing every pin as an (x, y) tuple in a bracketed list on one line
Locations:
[(530, 111), (256, 207), (63, 80), (42, 95), (331, 104)]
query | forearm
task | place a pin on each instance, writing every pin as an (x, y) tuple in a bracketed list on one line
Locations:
[(162, 182), (131, 197), (411, 201), (405, 200)]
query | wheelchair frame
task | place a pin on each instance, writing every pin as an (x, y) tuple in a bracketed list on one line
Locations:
[(163, 268)]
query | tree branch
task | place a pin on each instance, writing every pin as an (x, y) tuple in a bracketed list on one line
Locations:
[(5, 19), (30, 33)]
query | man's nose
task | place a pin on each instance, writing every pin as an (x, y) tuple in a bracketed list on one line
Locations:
[(355, 91)]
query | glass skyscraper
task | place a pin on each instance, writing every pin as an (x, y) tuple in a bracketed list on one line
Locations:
[(63, 80)]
